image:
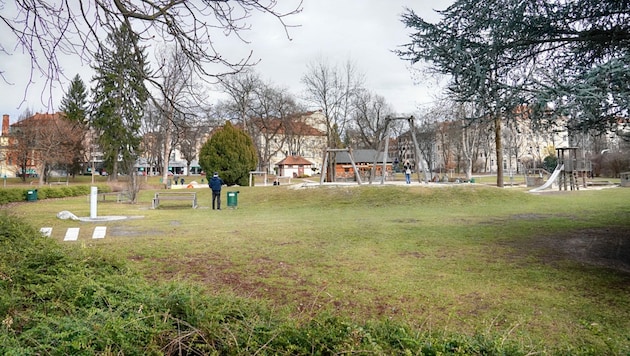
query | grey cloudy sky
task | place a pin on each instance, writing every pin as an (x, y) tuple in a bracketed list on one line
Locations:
[(336, 31)]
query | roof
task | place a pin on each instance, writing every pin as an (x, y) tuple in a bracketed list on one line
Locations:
[(38, 119), (294, 160), (364, 155)]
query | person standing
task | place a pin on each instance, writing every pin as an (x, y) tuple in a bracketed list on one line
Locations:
[(408, 175), (215, 184)]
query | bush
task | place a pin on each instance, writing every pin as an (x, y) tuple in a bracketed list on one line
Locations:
[(13, 195)]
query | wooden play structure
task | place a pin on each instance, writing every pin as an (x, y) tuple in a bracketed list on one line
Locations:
[(567, 157)]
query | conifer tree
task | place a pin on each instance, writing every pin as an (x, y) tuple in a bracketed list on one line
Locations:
[(74, 108), (231, 153), (119, 97), (574, 54)]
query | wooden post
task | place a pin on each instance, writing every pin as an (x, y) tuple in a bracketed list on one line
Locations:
[(354, 166), (324, 167), (386, 151)]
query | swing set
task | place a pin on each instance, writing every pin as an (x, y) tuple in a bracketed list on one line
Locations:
[(329, 151)]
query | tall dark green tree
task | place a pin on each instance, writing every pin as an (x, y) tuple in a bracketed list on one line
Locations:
[(119, 98), (74, 108), (231, 153), (74, 105)]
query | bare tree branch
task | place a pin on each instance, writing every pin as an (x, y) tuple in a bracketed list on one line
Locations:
[(47, 30)]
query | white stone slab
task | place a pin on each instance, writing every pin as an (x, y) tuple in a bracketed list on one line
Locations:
[(72, 234), (46, 231), (99, 232)]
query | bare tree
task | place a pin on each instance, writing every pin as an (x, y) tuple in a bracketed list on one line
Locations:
[(271, 121), (264, 110), (331, 89), (471, 133), (240, 88), (47, 30), (44, 141), (369, 114), (152, 138), (179, 101), (21, 145), (512, 141), (191, 133), (426, 133)]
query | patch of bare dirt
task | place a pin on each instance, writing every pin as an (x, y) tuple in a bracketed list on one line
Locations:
[(603, 247)]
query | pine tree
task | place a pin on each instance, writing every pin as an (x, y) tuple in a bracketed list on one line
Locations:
[(231, 153), (74, 108), (119, 97), (74, 104)]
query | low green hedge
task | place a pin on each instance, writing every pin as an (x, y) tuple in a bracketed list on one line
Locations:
[(13, 195)]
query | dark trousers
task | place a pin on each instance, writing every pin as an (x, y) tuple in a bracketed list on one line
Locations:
[(216, 197)]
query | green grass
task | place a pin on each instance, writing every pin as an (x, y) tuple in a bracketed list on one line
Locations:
[(463, 259)]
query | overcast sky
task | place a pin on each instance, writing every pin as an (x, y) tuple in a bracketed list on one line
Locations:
[(362, 31)]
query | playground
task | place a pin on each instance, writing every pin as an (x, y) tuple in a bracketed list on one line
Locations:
[(462, 257)]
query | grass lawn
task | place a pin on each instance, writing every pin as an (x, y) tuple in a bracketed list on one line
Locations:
[(546, 270)]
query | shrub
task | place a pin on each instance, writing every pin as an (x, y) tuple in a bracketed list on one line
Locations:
[(10, 195), (13, 195)]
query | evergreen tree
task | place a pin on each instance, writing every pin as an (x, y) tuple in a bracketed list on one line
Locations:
[(119, 97), (74, 108), (570, 56), (231, 153), (74, 104), (574, 54)]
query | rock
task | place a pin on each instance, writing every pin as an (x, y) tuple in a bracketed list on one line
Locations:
[(65, 215)]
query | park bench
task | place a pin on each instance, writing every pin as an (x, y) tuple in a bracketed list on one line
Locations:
[(120, 197), (188, 196)]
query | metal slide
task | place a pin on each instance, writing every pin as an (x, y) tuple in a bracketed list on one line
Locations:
[(551, 179)]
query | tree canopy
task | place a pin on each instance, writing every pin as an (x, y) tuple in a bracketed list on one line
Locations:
[(119, 97), (570, 56), (231, 153), (74, 108), (48, 30)]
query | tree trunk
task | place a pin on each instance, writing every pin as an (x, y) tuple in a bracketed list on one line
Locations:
[(499, 150), (166, 148)]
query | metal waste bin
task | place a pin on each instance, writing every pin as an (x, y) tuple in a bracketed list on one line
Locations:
[(31, 195), (232, 199)]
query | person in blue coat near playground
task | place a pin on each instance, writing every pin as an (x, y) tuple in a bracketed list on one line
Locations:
[(215, 184)]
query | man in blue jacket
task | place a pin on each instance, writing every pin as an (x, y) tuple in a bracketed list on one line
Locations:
[(215, 184)]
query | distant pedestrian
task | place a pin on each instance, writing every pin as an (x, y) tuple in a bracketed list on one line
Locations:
[(408, 175), (215, 184)]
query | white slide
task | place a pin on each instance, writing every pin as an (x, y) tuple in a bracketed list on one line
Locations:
[(551, 179)]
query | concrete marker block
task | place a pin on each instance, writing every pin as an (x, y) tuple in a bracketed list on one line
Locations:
[(72, 234)]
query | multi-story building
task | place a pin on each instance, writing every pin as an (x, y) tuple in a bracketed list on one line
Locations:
[(6, 164), (41, 143), (302, 135)]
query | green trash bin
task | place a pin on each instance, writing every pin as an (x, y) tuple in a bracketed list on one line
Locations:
[(232, 199), (472, 180), (31, 195)]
